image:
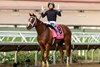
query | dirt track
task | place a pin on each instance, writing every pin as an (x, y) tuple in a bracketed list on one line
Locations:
[(85, 65), (72, 65), (76, 65)]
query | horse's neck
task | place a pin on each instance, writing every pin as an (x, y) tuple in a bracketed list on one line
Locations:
[(40, 28)]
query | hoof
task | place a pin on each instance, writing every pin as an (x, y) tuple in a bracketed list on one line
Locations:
[(47, 64), (43, 64), (67, 65)]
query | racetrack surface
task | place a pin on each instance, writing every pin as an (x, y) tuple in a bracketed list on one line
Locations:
[(76, 65), (57, 65)]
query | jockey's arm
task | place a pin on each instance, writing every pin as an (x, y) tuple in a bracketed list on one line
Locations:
[(43, 14), (59, 12)]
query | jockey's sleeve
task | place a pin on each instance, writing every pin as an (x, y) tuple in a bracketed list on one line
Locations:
[(44, 14), (59, 13)]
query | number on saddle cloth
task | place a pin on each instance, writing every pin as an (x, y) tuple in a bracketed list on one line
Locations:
[(60, 34), (58, 28), (56, 31)]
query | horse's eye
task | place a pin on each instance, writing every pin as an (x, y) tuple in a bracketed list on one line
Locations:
[(31, 19)]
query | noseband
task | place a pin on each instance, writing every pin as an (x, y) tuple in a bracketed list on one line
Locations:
[(33, 22)]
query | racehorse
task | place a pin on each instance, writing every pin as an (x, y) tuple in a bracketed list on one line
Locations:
[(44, 37)]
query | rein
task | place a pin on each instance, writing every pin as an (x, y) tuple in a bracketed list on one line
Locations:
[(35, 21)]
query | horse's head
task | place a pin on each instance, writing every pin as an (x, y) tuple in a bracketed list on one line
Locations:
[(31, 21)]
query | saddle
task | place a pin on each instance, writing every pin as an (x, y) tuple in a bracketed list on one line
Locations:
[(58, 34)]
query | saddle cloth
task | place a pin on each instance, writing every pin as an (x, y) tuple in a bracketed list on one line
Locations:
[(59, 34)]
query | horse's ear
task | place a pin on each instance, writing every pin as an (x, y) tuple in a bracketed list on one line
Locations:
[(33, 15), (30, 14)]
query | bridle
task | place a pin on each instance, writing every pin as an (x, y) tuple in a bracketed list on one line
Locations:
[(35, 21)]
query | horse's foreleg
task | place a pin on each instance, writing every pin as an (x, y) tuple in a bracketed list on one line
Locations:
[(61, 53), (47, 53), (42, 52)]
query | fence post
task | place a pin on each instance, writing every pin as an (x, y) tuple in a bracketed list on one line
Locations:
[(86, 56), (82, 52), (99, 56), (54, 57), (71, 57), (93, 55), (16, 53), (4, 54), (79, 52), (36, 58)]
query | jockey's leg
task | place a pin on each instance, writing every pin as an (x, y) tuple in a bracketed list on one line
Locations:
[(54, 41), (52, 27)]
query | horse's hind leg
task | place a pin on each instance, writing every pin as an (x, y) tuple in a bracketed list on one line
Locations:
[(68, 49), (60, 47), (42, 52), (47, 53), (68, 54)]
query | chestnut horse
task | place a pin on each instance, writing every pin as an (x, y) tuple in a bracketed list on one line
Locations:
[(45, 39)]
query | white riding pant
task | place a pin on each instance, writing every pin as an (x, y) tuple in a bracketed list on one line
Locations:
[(52, 23)]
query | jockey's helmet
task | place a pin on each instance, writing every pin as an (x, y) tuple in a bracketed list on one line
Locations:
[(51, 4)]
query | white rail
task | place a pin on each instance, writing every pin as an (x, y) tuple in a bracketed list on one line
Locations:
[(30, 37)]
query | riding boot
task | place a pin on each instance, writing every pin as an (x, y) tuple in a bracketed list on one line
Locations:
[(51, 27), (54, 41)]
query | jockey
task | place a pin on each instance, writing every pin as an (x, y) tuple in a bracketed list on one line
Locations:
[(51, 15)]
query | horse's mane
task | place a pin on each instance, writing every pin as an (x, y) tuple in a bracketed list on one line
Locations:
[(41, 22)]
